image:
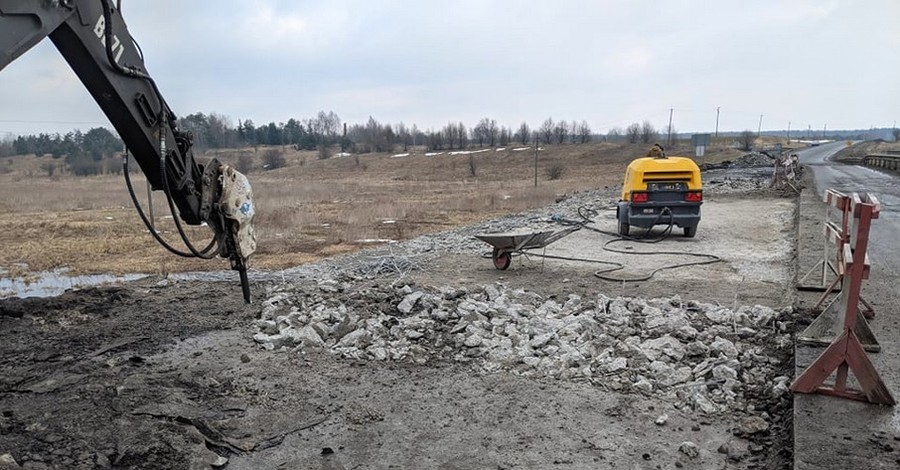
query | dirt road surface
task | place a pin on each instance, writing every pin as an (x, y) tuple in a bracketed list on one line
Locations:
[(422, 355)]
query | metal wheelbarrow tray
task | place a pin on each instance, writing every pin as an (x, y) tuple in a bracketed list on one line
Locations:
[(507, 243)]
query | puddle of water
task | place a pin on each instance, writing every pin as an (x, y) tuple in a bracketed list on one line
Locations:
[(53, 283)]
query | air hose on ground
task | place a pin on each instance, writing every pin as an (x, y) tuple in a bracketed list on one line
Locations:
[(586, 213)]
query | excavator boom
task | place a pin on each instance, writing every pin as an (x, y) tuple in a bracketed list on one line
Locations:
[(94, 39)]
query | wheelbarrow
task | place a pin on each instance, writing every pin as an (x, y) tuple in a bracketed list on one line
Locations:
[(505, 244)]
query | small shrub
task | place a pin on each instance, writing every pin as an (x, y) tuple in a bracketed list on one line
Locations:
[(555, 172), (273, 159), (324, 152), (473, 170), (244, 163), (49, 167)]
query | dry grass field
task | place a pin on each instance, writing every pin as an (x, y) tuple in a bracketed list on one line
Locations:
[(307, 210)]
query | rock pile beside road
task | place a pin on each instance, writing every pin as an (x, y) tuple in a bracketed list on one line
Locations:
[(701, 357)]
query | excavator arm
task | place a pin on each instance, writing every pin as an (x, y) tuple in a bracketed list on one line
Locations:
[(93, 38)]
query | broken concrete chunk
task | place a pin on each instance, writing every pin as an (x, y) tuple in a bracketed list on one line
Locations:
[(357, 339), (689, 448), (406, 305), (723, 346), (665, 346), (541, 340), (753, 425), (7, 462), (473, 341)]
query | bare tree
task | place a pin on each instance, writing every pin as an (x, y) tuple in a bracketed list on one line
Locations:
[(492, 131), (547, 130), (403, 136), (633, 132), (434, 140), (505, 136), (479, 132), (648, 132), (414, 134), (746, 140), (450, 135), (462, 135), (523, 133), (584, 132), (614, 134), (560, 131)]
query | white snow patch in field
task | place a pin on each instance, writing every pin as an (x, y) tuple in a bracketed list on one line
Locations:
[(400, 155), (431, 154), (388, 221), (521, 149), (375, 240), (500, 149), (342, 154)]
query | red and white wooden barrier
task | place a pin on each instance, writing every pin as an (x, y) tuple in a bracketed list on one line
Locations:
[(846, 352)]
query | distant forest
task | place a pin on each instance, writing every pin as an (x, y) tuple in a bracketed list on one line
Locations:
[(92, 152)]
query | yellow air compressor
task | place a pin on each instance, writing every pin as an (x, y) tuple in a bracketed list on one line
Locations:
[(660, 190)]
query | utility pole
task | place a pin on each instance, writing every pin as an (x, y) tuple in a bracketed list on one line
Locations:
[(824, 131), (789, 131), (535, 158), (717, 120), (809, 132), (669, 138), (759, 129)]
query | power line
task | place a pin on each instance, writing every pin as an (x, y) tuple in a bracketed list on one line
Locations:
[(21, 121)]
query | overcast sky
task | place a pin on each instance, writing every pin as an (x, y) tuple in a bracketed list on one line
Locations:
[(813, 63)]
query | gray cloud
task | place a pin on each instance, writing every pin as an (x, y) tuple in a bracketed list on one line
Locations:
[(610, 63)]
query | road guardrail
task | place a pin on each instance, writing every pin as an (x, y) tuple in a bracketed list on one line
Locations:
[(886, 161)]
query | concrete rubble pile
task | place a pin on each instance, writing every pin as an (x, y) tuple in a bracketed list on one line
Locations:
[(753, 159), (751, 172), (701, 357)]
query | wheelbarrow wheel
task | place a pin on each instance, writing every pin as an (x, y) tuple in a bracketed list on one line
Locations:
[(501, 259)]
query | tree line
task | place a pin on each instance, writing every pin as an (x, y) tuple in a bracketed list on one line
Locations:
[(85, 153), (324, 131)]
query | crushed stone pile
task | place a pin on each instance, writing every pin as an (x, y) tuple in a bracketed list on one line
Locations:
[(701, 357), (753, 159), (750, 172)]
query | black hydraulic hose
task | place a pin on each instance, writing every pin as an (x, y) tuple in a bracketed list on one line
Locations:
[(602, 274), (146, 221), (134, 72), (128, 71), (203, 254)]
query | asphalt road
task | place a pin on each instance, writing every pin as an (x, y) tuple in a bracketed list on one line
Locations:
[(884, 242), (838, 433)]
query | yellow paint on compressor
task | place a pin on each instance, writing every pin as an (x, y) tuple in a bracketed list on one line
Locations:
[(647, 169)]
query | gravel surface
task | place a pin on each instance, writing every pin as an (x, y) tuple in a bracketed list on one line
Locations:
[(421, 355)]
